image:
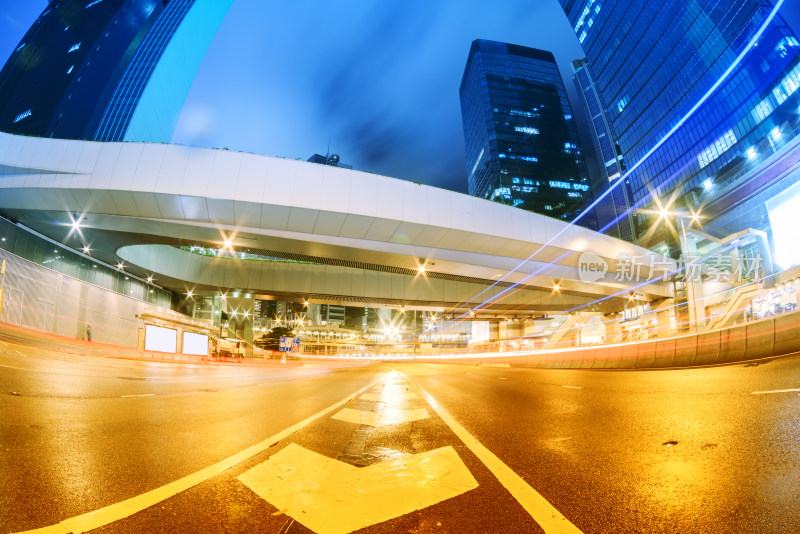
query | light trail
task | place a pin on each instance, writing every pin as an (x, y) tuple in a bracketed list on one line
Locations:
[(722, 79)]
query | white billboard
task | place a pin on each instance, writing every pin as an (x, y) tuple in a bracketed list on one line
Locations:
[(783, 210), (160, 339), (195, 344)]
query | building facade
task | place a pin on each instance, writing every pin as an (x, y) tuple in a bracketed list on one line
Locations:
[(520, 137), (613, 213), (654, 62), (107, 70)]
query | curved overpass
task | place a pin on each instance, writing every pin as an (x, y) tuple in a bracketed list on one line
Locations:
[(138, 202)]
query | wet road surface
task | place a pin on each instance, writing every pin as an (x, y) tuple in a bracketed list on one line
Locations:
[(96, 444)]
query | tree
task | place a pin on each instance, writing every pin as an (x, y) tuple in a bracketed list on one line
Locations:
[(272, 339)]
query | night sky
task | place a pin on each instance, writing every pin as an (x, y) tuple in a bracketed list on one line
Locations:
[(378, 79)]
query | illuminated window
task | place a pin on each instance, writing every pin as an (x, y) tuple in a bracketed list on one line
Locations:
[(71, 68), (623, 103), (560, 185), (526, 130), (533, 159), (22, 115), (74, 47), (782, 48), (717, 148), (90, 4), (763, 109)]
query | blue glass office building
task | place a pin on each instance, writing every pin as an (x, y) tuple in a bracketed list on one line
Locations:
[(613, 214), (107, 69), (521, 140), (654, 60)]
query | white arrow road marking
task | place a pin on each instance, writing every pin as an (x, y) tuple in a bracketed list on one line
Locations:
[(394, 397), (389, 416), (115, 512), (776, 391), (332, 497)]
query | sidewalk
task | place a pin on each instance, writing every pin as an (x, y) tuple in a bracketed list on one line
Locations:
[(40, 340)]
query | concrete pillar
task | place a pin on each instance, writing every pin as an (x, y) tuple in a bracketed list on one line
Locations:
[(242, 322), (766, 258), (694, 282), (494, 330), (663, 323)]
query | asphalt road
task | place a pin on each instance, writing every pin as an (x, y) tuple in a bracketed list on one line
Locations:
[(408, 448)]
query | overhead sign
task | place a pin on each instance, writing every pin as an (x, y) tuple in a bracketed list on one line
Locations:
[(290, 344)]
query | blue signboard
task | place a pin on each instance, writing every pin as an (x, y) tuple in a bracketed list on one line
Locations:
[(291, 344)]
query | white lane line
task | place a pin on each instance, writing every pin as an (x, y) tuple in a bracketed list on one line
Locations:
[(775, 391), (545, 514), (142, 395), (572, 387), (17, 368), (126, 508), (502, 378)]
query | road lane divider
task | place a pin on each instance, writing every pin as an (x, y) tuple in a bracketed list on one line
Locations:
[(121, 510), (545, 514), (775, 391)]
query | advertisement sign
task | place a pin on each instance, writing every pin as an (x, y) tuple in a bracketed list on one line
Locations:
[(195, 344), (291, 344), (159, 339)]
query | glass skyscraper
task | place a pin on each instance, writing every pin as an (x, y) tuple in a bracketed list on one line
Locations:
[(521, 140), (652, 63), (107, 69), (613, 214)]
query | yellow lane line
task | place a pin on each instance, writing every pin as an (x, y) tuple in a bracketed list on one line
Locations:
[(126, 508), (775, 391), (545, 514)]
